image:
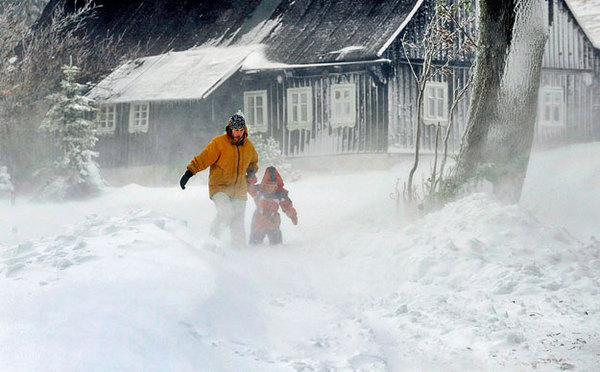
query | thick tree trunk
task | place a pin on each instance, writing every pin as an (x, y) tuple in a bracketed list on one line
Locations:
[(511, 136), (503, 107), (496, 20)]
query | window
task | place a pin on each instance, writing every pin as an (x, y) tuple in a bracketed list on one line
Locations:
[(435, 103), (299, 108), (551, 107), (138, 117), (343, 105), (255, 110), (107, 118)]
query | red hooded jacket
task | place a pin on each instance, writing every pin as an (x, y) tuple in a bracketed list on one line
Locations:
[(269, 195)]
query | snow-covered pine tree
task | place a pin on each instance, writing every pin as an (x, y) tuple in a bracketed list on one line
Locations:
[(269, 154), (75, 172)]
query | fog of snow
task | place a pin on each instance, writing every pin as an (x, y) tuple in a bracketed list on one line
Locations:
[(131, 280)]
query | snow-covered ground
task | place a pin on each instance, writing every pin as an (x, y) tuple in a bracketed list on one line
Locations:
[(131, 281)]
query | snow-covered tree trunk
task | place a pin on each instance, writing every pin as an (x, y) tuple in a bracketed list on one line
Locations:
[(503, 107)]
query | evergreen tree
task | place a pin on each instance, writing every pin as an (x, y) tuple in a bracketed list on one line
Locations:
[(75, 172)]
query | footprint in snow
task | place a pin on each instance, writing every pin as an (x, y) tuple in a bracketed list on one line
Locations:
[(505, 287), (362, 362)]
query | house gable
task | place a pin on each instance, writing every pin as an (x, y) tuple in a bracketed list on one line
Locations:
[(569, 44)]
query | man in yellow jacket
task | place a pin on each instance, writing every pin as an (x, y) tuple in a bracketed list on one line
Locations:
[(233, 162)]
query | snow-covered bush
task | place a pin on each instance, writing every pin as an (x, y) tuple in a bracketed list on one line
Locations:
[(75, 172), (269, 154), (6, 186), (5, 182)]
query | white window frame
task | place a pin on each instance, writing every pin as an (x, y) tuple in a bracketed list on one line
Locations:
[(252, 110), (139, 117), (435, 103), (551, 107), (343, 107), (106, 119), (299, 111)]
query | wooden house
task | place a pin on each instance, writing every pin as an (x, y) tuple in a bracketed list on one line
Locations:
[(324, 78), (569, 99)]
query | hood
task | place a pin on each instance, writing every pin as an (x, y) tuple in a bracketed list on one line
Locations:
[(272, 176)]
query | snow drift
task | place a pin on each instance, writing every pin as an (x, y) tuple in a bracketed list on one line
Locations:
[(132, 281)]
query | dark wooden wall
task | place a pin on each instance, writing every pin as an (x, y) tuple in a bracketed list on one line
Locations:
[(570, 61), (581, 106), (385, 104), (368, 135), (177, 131), (403, 90), (568, 47), (403, 111)]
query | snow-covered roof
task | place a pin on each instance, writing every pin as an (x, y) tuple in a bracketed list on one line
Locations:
[(589, 23), (279, 34), (173, 76), (315, 31), (257, 61), (188, 75)]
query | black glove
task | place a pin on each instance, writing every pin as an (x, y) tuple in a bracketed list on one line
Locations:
[(186, 176)]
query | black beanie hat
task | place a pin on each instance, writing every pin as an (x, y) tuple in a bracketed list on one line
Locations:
[(236, 122)]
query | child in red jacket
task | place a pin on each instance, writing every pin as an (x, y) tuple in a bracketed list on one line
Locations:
[(269, 196)]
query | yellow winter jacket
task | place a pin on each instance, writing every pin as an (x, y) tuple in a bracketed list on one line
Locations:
[(228, 165)]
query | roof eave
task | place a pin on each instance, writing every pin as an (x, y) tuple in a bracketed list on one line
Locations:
[(312, 65), (400, 28)]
